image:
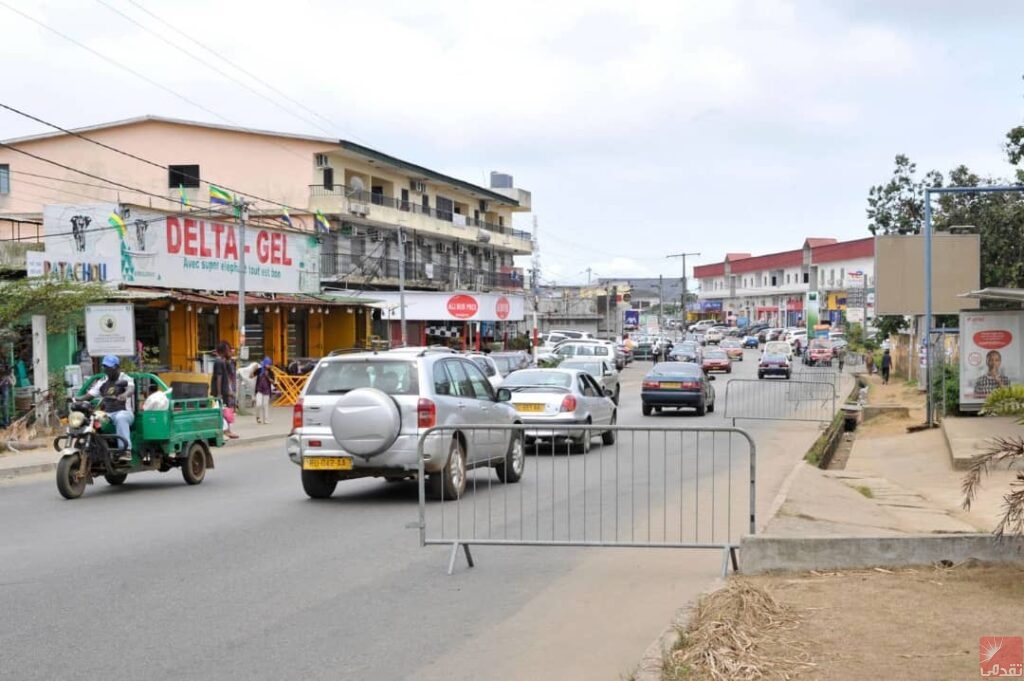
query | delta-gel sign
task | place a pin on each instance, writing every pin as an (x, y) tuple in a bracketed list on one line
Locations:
[(172, 251)]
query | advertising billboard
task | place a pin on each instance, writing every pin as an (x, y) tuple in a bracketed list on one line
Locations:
[(990, 354), (811, 311), (177, 251)]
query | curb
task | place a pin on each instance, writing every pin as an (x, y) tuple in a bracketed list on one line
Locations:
[(651, 667), (37, 468)]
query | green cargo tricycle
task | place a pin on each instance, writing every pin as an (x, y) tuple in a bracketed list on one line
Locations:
[(177, 436)]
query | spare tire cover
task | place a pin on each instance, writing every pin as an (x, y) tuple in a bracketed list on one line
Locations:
[(365, 422)]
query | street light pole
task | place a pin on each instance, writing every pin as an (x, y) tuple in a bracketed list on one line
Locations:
[(403, 341), (242, 211), (682, 295)]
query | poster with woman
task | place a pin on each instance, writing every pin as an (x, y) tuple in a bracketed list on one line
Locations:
[(990, 354)]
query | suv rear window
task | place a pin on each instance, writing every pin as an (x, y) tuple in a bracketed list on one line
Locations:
[(338, 377)]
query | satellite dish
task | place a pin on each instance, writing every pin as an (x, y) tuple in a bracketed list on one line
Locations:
[(355, 185)]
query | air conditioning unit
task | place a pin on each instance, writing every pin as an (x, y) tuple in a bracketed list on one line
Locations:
[(321, 161), (357, 208), (376, 235), (417, 186)]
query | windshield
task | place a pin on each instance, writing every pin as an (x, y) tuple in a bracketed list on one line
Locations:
[(592, 368)]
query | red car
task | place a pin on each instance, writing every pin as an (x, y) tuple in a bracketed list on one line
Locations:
[(716, 360), (820, 351)]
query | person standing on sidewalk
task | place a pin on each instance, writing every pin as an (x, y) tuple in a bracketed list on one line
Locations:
[(222, 385), (264, 388), (886, 366)]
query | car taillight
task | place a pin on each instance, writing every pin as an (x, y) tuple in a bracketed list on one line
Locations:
[(568, 403), (691, 384), (651, 385), (426, 413), (297, 415)]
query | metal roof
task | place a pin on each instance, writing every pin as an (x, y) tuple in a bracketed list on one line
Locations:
[(996, 293)]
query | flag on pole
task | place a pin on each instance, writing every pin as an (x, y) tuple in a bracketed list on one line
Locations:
[(321, 222), (183, 196), (218, 195), (117, 223), (286, 218)]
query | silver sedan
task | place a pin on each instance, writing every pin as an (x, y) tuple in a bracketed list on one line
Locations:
[(549, 398)]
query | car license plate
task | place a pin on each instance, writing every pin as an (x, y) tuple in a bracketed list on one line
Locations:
[(672, 386), (530, 407), (327, 463)]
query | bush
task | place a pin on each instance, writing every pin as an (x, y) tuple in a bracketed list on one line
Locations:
[(946, 384), (1007, 401)]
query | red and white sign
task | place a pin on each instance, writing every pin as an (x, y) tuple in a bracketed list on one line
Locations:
[(1001, 657), (502, 308), (181, 251), (463, 306), (991, 354)]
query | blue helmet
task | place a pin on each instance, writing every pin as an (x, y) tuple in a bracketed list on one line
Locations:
[(111, 361)]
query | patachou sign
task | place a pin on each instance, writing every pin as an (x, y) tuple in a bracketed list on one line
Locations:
[(182, 251)]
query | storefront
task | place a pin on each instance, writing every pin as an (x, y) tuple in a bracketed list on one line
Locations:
[(467, 320), (182, 274)]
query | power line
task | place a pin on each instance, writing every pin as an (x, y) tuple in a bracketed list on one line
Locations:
[(212, 67), (232, 64)]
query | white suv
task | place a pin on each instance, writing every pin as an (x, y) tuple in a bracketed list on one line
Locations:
[(362, 415)]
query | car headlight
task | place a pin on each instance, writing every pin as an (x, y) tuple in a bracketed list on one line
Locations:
[(76, 419)]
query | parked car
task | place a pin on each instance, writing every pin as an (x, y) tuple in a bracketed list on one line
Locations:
[(362, 415), (702, 325), (514, 360), (608, 350), (548, 398), (716, 360), (677, 385), (733, 348), (774, 364), (751, 342), (488, 366), (603, 372)]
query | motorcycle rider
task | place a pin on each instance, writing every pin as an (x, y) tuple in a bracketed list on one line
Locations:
[(118, 392)]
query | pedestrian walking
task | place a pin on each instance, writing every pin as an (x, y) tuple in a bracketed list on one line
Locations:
[(223, 384), (264, 389), (886, 366), (869, 363)]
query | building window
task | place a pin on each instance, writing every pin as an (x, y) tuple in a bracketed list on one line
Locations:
[(5, 179), (787, 277), (183, 176), (329, 179), (842, 275), (444, 208), (807, 277), (831, 277)]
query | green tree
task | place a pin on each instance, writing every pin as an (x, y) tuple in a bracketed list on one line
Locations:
[(897, 207), (61, 301)]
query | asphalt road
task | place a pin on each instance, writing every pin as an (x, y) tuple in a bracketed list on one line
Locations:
[(243, 577)]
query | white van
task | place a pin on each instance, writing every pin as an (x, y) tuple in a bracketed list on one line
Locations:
[(778, 347)]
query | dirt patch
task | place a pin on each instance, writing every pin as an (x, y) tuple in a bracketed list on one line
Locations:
[(922, 623), (896, 392)]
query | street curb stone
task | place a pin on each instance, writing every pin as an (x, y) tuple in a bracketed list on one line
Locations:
[(651, 667)]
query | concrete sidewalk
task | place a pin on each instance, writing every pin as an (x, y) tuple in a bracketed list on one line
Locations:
[(38, 455), (896, 483)]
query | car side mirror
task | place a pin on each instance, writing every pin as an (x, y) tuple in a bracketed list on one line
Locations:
[(608, 393), (710, 377), (504, 395)]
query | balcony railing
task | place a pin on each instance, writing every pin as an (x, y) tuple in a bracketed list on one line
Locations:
[(374, 199), (366, 269)]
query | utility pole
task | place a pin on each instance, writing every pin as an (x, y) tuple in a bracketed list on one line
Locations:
[(242, 212), (682, 295), (403, 341), (535, 256), (661, 300)]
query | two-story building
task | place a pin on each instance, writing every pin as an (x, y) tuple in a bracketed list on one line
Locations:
[(380, 224), (771, 288)]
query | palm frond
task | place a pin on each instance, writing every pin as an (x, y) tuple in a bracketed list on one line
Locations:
[(1001, 449)]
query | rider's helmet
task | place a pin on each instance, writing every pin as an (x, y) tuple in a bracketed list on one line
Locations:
[(111, 361)]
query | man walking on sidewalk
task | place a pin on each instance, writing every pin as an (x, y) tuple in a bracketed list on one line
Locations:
[(886, 366)]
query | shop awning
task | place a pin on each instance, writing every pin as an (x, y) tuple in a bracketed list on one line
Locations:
[(996, 293), (231, 298)]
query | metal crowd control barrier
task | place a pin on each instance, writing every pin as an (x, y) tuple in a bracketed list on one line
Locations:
[(780, 399), (653, 487)]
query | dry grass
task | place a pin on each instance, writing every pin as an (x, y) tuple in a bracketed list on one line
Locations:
[(908, 623), (729, 634)]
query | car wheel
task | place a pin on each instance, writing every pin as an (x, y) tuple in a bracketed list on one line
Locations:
[(760, 375), (701, 409), (69, 483), (788, 375), (585, 441), (615, 398), (450, 482), (511, 469), (711, 407), (115, 479), (608, 436), (729, 370), (646, 409), (319, 484)]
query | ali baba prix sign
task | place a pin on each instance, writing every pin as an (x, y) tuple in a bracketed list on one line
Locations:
[(181, 251)]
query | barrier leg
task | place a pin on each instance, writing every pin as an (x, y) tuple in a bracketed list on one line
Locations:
[(455, 552)]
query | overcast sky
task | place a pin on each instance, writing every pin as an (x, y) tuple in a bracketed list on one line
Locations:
[(641, 128)]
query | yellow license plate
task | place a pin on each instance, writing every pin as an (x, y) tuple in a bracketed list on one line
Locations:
[(327, 463), (672, 386), (530, 407)]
